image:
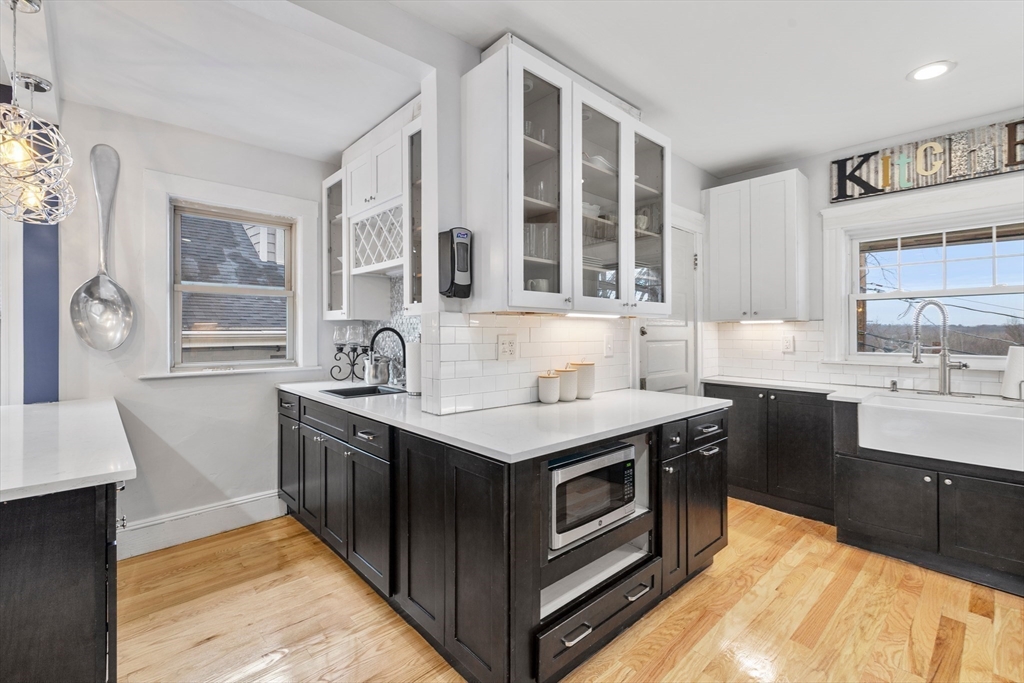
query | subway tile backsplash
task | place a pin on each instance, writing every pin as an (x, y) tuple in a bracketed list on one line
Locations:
[(461, 370), (755, 351)]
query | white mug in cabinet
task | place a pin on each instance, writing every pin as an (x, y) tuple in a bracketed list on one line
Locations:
[(548, 387), (568, 383), (539, 285), (585, 382)]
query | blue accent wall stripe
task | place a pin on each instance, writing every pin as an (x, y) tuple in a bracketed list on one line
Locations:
[(41, 281)]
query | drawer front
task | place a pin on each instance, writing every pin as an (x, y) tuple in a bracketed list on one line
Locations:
[(324, 418), (371, 436), (673, 440), (705, 429), (288, 404), (571, 640)]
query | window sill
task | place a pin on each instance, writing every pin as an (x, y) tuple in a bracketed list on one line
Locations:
[(229, 371), (975, 363)]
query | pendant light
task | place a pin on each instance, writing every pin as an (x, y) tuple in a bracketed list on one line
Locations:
[(34, 156)]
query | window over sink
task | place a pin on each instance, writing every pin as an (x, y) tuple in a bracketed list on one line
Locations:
[(232, 294), (977, 273)]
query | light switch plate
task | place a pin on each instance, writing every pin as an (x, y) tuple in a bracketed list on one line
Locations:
[(788, 343), (609, 346), (508, 347)]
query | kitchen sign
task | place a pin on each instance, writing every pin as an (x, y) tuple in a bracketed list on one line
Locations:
[(975, 153)]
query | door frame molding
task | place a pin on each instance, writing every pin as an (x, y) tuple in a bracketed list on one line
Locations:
[(692, 222)]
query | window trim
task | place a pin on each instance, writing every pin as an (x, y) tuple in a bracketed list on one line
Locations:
[(161, 189), (977, 203), (178, 288)]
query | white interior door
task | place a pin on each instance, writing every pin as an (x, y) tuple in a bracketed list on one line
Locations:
[(667, 345)]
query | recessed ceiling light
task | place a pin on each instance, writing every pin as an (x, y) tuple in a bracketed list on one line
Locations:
[(933, 70)]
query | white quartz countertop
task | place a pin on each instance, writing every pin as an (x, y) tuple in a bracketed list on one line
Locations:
[(51, 447), (520, 432), (836, 392)]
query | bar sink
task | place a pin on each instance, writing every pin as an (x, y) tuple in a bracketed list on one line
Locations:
[(978, 431), (361, 392)]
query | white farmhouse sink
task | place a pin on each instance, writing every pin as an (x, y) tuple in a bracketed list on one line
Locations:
[(976, 431)]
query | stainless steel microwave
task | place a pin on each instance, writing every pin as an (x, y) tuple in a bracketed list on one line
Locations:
[(590, 492)]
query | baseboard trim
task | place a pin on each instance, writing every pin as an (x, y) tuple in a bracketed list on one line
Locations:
[(164, 531)]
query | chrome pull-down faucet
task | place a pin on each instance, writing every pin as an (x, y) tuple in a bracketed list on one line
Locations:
[(945, 365)]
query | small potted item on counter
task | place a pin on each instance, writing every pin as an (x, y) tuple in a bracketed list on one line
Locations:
[(548, 387), (586, 381), (568, 383)]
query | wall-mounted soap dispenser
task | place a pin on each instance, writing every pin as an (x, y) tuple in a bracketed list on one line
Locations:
[(455, 252)]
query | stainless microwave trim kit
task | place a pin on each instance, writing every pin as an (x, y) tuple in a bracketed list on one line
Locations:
[(580, 466), (455, 267)]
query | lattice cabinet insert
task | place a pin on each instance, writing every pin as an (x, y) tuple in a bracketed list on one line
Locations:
[(378, 241)]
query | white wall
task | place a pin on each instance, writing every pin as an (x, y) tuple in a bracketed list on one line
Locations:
[(687, 182), (198, 442), (817, 169)]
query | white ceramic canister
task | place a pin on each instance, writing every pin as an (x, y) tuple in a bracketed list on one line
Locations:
[(548, 387), (568, 384), (586, 380)]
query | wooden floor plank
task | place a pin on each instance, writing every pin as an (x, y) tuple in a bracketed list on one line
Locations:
[(269, 602)]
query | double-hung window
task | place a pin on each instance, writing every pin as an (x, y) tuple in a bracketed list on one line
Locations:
[(232, 296), (977, 273)]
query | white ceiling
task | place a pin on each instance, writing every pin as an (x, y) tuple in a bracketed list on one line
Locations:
[(219, 68), (741, 85)]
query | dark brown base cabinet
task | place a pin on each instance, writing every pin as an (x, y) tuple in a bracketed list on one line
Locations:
[(780, 449), (471, 535), (341, 493), (967, 526), (58, 587)]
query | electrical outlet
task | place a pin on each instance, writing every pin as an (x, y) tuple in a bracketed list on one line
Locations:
[(788, 343), (609, 346), (508, 347)]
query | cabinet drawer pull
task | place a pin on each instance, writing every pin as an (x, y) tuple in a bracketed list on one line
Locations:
[(285, 404), (637, 596), (707, 429), (587, 630), (714, 450), (366, 435), (676, 439)]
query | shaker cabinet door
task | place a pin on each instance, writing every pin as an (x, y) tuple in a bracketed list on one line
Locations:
[(360, 184), (477, 554), (288, 461), (707, 504), (369, 519), (748, 435), (421, 532), (386, 169), (800, 447), (310, 477), (982, 521), (889, 503), (673, 522), (334, 522), (728, 273)]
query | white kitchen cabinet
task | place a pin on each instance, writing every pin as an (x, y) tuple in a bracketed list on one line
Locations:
[(551, 190), (346, 296), (412, 177), (375, 177), (757, 254)]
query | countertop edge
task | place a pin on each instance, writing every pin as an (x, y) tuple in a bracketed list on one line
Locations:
[(835, 392), (352, 406)]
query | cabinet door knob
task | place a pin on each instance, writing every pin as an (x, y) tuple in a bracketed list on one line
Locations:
[(928, 479), (676, 439), (948, 482), (772, 397), (744, 313), (760, 395), (568, 299), (755, 312), (294, 427), (625, 305), (670, 470)]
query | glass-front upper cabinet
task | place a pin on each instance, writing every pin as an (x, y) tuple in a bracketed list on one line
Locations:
[(651, 262), (412, 166), (334, 230), (602, 201), (540, 228)]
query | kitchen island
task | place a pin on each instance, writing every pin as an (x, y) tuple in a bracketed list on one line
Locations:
[(458, 520), (58, 568)]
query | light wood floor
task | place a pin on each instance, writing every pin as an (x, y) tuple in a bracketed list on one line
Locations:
[(784, 602)]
